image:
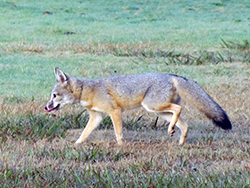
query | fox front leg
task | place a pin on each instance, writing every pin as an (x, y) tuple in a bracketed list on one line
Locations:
[(94, 120)]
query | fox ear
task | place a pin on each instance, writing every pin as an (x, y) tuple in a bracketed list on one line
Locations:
[(60, 76)]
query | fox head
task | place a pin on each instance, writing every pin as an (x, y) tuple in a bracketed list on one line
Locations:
[(62, 93)]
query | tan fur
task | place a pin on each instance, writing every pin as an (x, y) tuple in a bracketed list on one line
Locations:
[(158, 93)]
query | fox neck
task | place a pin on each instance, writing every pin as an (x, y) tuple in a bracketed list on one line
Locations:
[(76, 87), (82, 89), (87, 91)]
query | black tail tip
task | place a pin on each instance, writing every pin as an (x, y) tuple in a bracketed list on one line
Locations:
[(223, 123)]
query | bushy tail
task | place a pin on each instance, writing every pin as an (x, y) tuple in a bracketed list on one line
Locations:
[(194, 94)]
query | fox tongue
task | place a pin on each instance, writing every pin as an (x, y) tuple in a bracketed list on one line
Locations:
[(45, 108)]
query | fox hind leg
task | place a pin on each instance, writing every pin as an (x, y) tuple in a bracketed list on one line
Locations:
[(164, 108), (117, 122), (176, 110), (180, 124)]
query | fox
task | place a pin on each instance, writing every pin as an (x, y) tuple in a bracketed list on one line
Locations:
[(158, 93)]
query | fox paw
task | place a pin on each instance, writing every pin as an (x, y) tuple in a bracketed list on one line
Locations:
[(171, 132), (120, 143), (78, 141)]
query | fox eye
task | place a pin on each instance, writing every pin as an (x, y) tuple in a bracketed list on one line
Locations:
[(54, 95)]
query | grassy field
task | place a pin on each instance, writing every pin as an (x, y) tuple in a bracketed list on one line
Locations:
[(207, 41)]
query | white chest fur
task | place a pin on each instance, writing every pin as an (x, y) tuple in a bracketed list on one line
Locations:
[(84, 103)]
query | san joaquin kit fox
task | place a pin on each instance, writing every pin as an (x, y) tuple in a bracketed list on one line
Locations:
[(156, 92)]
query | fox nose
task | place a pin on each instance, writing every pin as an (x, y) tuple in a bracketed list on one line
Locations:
[(45, 108)]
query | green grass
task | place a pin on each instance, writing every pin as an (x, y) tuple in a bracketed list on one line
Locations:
[(207, 41), (96, 39), (32, 78), (99, 39), (193, 23)]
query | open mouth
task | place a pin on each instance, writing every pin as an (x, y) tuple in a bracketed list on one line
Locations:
[(53, 109)]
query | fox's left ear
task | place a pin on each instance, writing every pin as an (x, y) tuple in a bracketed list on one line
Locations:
[(60, 76)]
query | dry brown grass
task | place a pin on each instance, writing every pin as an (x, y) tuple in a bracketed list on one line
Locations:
[(75, 48), (225, 151), (144, 49)]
